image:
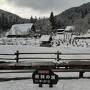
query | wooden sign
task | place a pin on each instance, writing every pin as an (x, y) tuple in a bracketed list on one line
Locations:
[(44, 77)]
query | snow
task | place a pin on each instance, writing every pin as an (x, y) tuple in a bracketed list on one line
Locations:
[(68, 28), (63, 84), (27, 45), (45, 38), (88, 31), (57, 40)]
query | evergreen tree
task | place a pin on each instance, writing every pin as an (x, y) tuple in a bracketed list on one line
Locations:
[(35, 19), (52, 21), (4, 22), (31, 19)]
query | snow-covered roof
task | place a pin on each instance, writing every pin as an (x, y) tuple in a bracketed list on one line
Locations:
[(20, 29), (69, 28), (88, 31), (45, 38)]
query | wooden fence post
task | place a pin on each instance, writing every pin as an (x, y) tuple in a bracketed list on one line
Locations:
[(58, 56), (81, 74), (17, 56)]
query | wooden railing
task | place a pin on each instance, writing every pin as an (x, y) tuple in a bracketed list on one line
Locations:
[(57, 56)]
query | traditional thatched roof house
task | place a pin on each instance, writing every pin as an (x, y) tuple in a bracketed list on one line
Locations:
[(20, 30)]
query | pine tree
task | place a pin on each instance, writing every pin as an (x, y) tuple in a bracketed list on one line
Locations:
[(52, 21), (4, 22), (31, 19), (35, 19)]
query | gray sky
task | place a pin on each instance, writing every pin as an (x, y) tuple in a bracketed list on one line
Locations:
[(39, 8)]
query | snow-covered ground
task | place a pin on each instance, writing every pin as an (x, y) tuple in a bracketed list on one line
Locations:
[(63, 84), (57, 40)]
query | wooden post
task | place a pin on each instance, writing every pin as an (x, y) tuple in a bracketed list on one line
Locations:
[(40, 85), (50, 85), (81, 74), (17, 56), (58, 56)]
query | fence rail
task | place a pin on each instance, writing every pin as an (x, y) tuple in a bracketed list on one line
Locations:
[(40, 53), (7, 54), (7, 59), (74, 53), (57, 54), (54, 70), (36, 58)]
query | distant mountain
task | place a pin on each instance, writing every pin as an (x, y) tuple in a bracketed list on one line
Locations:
[(7, 19), (79, 16)]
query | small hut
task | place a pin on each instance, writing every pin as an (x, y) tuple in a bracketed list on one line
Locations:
[(69, 30), (45, 40)]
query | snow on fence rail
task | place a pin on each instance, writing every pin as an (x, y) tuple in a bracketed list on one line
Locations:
[(57, 56)]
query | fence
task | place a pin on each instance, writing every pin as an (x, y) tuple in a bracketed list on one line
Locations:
[(57, 54), (68, 67)]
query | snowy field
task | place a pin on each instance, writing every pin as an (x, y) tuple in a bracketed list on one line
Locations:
[(63, 84)]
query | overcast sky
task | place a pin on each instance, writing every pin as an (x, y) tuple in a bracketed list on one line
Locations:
[(39, 8)]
